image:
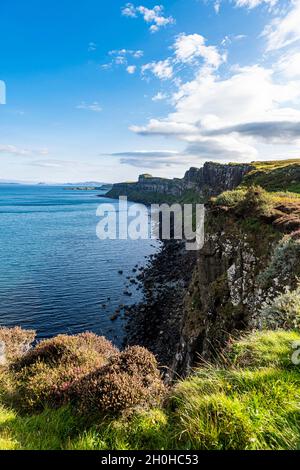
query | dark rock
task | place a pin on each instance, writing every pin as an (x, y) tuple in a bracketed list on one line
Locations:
[(129, 294), (115, 316)]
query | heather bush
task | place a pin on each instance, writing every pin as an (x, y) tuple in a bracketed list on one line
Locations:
[(14, 343), (64, 349), (44, 375), (130, 379)]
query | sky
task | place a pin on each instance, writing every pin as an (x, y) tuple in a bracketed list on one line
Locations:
[(104, 91)]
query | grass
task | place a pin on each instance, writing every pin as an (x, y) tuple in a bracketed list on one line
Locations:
[(275, 175), (275, 164), (260, 207), (50, 430), (251, 400)]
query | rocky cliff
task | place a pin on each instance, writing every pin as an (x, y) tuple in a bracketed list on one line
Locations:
[(195, 300), (210, 180), (243, 266)]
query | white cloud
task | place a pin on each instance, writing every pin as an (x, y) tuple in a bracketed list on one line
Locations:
[(238, 115), (162, 69), (149, 158), (131, 69), (92, 47), (217, 6), (106, 66), (284, 30), (228, 39), (21, 152), (95, 106), (120, 60), (166, 127), (159, 96), (48, 163), (221, 117), (254, 3), (137, 54), (289, 64), (120, 57), (155, 16), (189, 48), (13, 150), (129, 10)]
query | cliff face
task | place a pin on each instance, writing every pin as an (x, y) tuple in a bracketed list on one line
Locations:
[(196, 301), (215, 178), (240, 269), (210, 180)]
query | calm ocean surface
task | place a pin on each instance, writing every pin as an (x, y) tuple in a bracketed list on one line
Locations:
[(55, 274)]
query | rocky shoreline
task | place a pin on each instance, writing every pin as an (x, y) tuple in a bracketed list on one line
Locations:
[(155, 323)]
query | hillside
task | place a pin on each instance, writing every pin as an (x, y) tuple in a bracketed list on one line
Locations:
[(282, 175)]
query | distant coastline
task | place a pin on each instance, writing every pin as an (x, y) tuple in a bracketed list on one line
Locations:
[(103, 187)]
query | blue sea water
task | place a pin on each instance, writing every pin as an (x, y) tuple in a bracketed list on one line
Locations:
[(55, 274)]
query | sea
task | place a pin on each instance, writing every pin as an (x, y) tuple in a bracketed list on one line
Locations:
[(56, 275)]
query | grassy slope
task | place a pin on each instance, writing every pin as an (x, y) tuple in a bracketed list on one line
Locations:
[(280, 175), (253, 402)]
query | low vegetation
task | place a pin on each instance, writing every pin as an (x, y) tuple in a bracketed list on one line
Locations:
[(249, 400), (14, 343), (283, 312), (44, 375), (277, 175), (280, 209)]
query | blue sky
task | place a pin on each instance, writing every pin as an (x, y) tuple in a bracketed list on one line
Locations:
[(107, 90)]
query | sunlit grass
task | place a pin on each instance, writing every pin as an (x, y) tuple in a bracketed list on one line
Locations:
[(252, 401)]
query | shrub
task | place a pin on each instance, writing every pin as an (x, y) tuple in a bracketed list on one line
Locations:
[(130, 379), (283, 312), (284, 264), (45, 374), (64, 349), (256, 202), (253, 201), (14, 343), (230, 198)]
